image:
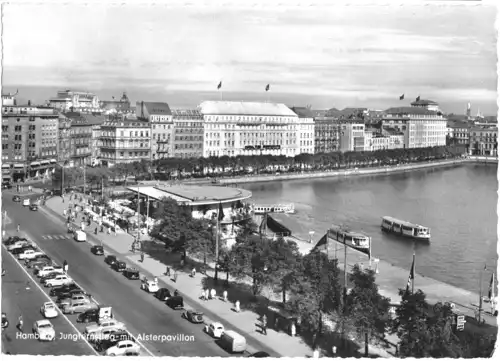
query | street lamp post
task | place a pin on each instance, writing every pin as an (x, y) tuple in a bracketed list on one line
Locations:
[(481, 293)]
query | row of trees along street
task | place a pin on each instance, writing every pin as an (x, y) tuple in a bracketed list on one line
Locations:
[(312, 289), (182, 168)]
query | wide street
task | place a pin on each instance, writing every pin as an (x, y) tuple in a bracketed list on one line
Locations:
[(141, 312), (21, 296)]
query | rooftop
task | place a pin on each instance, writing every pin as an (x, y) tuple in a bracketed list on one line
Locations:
[(303, 112), (186, 113), (405, 111), (126, 123), (155, 108), (245, 108), (458, 125), (192, 195), (424, 102)]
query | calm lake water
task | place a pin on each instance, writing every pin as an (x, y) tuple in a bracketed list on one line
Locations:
[(458, 203)]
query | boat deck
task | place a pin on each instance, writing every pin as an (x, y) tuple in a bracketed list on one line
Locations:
[(403, 223)]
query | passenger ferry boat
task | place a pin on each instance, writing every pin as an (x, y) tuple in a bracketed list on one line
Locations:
[(352, 239), (407, 229), (278, 208)]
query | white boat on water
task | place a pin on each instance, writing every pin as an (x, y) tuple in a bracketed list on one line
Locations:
[(277, 208), (406, 229), (355, 240)]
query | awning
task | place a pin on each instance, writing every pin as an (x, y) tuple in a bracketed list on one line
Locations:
[(45, 162), (18, 165), (5, 166), (53, 161), (35, 163)]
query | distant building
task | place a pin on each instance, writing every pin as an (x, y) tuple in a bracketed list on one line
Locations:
[(421, 127), (159, 117), (352, 136), (76, 101), (426, 104), (29, 141), (459, 133), (305, 129), (326, 134), (81, 141), (124, 141), (95, 121), (484, 140), (122, 105), (64, 141), (249, 128), (396, 137), (188, 133), (9, 99)]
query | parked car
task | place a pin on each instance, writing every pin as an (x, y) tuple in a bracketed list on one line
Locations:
[(97, 250), (163, 294), (39, 257), (175, 302), (11, 240), (19, 250), (193, 316), (29, 254), (69, 294), (16, 199), (131, 273), (26, 202), (78, 306), (104, 325), (149, 286), (33, 207), (122, 347), (215, 329), (33, 263), (119, 266), (110, 259), (59, 280), (78, 297), (50, 276), (112, 339), (49, 310), (6, 185), (57, 291), (44, 330), (260, 354), (47, 270), (18, 244), (91, 315)]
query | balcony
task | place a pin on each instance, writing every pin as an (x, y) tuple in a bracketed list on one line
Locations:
[(126, 147)]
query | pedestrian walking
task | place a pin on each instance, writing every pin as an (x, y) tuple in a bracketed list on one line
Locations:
[(264, 325), (224, 295), (167, 273), (109, 230), (95, 231), (142, 257), (293, 329), (175, 276), (64, 212), (237, 306), (20, 323), (213, 293), (102, 228), (182, 262), (193, 272)]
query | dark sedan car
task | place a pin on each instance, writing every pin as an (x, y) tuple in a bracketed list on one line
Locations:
[(33, 207), (50, 276), (110, 259), (22, 249), (119, 266), (131, 273), (97, 250), (112, 340), (40, 257), (69, 294), (16, 199), (193, 316), (163, 294), (88, 316), (37, 262), (57, 291), (11, 240), (260, 354)]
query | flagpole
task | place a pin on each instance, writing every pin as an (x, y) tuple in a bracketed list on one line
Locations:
[(413, 280), (217, 245)]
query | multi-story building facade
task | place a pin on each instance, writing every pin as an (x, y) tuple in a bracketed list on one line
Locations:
[(159, 117), (9, 98), (125, 141), (426, 104), (305, 129), (484, 141), (459, 132), (94, 121), (29, 141), (69, 100), (352, 135), (249, 128), (80, 134), (188, 133), (326, 134), (64, 141), (421, 127)]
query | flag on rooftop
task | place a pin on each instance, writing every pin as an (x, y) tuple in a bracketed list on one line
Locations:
[(402, 97), (491, 290), (220, 85), (418, 98), (267, 87)]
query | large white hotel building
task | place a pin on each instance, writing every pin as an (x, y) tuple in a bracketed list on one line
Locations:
[(250, 128)]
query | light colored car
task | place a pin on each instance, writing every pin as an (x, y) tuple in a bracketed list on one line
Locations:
[(49, 310), (58, 280), (123, 347), (78, 297), (104, 325), (44, 330), (45, 270), (26, 202), (79, 306), (215, 329), (17, 244), (149, 286), (29, 254)]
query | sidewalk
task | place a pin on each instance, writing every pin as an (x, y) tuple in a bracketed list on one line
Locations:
[(246, 322)]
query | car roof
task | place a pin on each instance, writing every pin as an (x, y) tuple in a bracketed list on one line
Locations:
[(43, 322), (217, 324), (49, 304)]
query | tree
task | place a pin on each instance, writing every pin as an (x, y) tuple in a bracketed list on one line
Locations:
[(318, 291), (423, 332), (366, 310)]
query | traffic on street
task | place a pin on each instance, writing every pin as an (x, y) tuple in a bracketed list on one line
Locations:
[(95, 305)]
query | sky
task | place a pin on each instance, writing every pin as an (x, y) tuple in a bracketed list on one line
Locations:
[(334, 55)]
